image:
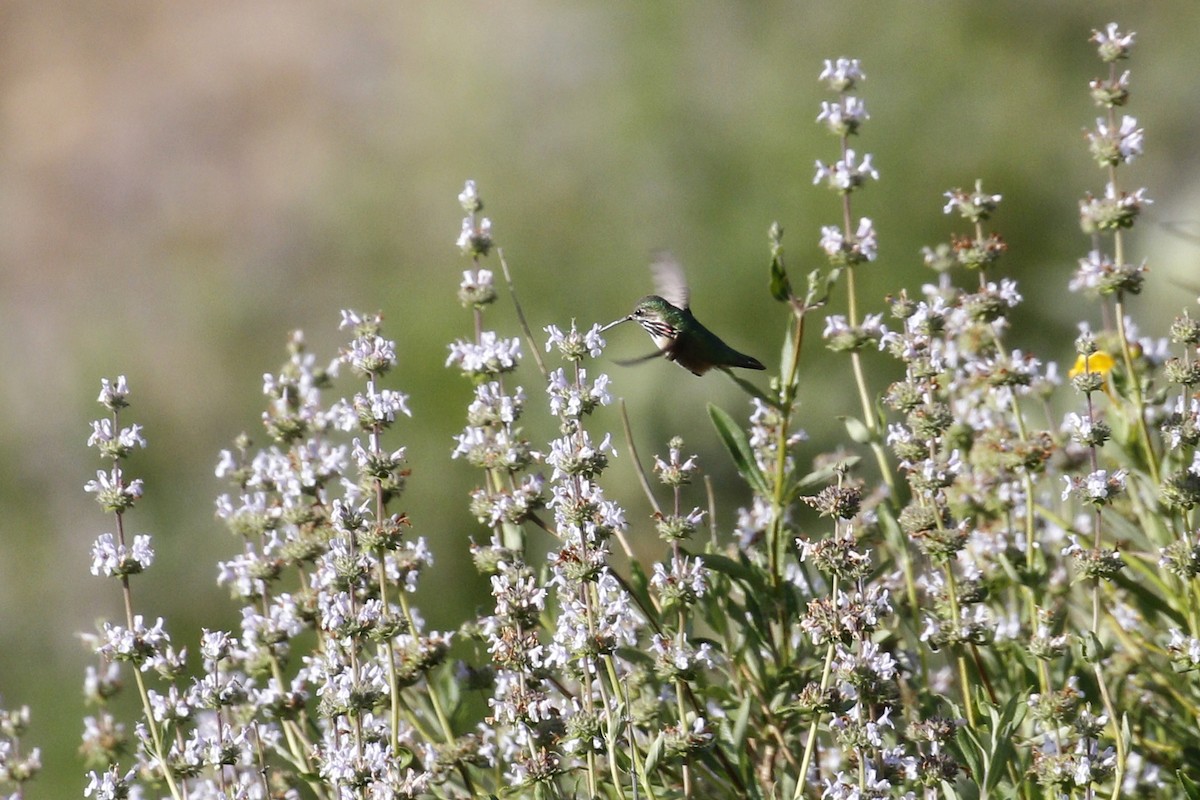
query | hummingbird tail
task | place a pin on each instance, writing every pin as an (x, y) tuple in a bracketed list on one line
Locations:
[(748, 362)]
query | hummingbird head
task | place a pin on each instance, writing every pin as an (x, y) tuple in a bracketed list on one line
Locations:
[(652, 313), (657, 316)]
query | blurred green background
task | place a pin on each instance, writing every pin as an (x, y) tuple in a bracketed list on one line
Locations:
[(182, 184)]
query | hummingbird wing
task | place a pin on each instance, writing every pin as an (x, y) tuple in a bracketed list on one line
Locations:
[(629, 362), (669, 280)]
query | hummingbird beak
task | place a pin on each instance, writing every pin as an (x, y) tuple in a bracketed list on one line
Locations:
[(615, 323)]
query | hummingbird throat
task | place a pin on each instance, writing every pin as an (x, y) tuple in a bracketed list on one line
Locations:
[(658, 330)]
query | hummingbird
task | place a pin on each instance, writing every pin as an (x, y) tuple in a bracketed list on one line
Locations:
[(679, 336)]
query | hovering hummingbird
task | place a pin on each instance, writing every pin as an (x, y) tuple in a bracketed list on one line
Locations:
[(679, 336)]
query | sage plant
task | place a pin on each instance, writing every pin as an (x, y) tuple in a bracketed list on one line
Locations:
[(989, 589)]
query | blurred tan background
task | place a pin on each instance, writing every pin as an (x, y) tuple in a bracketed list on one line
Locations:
[(182, 184)]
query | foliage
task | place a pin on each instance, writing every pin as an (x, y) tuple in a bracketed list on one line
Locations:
[(964, 602)]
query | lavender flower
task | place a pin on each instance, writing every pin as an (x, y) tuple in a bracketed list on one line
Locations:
[(842, 74), (1113, 45), (847, 173), (111, 559), (491, 356)]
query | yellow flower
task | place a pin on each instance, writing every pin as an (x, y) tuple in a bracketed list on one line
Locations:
[(1099, 362)]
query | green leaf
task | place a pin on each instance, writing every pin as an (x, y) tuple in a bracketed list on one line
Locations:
[(758, 619), (786, 350), (781, 287), (513, 536), (1190, 788), (1123, 430), (822, 476), (638, 585), (740, 722), (451, 692), (1156, 527), (654, 755), (727, 566), (1092, 649), (988, 748), (750, 389), (857, 429), (636, 656), (819, 286), (972, 751), (739, 447), (1004, 725), (887, 520), (616, 723), (948, 791), (403, 756)]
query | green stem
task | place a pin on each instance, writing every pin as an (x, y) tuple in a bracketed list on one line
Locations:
[(811, 743), (779, 489), (960, 659), (876, 438), (1115, 722), (1135, 385), (156, 740), (614, 771), (160, 752)]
